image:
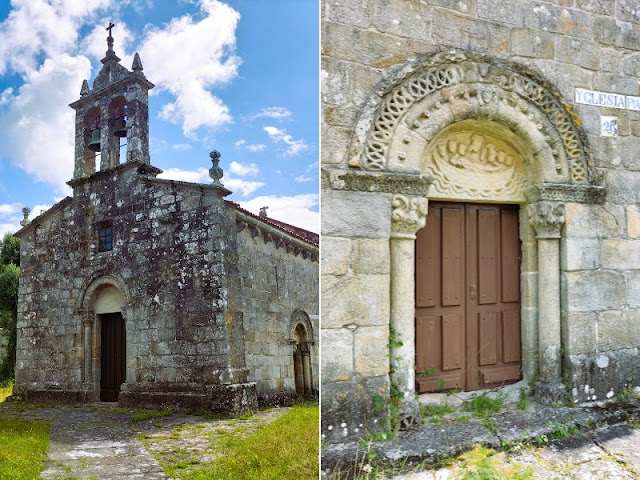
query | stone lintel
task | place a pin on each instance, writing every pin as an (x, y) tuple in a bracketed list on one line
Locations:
[(561, 192), (382, 182)]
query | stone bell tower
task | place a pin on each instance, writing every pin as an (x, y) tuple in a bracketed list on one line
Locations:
[(114, 113)]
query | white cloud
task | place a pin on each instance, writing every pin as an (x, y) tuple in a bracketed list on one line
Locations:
[(181, 147), (6, 96), (303, 179), (39, 123), (187, 59), (240, 142), (278, 113), (244, 186), (8, 209), (280, 135), (37, 28), (201, 175), (295, 210), (256, 148), (249, 169)]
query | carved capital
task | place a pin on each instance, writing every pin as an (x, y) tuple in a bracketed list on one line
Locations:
[(547, 219), (409, 215)]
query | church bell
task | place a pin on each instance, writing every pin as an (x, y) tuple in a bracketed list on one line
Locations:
[(120, 127), (94, 144)]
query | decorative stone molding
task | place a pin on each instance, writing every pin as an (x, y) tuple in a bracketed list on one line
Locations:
[(362, 181), (547, 218), (409, 215), (300, 317), (513, 86), (280, 239), (592, 194)]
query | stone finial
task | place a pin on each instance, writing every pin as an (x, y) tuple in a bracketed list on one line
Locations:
[(137, 63), (84, 90), (215, 172), (110, 38), (25, 211), (263, 212)]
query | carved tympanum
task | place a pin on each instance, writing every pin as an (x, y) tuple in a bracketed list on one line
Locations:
[(547, 218), (469, 164), (409, 214)]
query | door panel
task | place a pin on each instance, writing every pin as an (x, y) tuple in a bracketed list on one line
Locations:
[(467, 297), (112, 356)]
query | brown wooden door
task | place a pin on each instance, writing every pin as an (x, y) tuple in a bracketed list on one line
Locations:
[(112, 356), (467, 297)]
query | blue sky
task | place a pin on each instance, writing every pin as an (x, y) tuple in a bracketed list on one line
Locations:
[(239, 76)]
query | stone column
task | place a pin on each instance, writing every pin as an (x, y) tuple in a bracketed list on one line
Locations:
[(306, 368), (87, 336), (408, 216), (547, 218), (298, 370)]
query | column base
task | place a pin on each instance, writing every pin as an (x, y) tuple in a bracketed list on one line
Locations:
[(409, 414), (548, 393)]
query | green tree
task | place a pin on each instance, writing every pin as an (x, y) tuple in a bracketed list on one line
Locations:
[(9, 276), (10, 250)]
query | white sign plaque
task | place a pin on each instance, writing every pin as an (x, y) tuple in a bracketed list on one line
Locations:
[(608, 126)]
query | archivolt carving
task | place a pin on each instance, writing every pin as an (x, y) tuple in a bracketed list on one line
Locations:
[(467, 163), (446, 70)]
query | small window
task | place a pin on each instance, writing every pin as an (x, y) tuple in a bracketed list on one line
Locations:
[(105, 238)]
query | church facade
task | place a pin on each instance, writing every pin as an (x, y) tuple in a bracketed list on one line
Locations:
[(150, 291), (480, 204)]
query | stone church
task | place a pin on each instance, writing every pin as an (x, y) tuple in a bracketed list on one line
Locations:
[(150, 291), (480, 203)]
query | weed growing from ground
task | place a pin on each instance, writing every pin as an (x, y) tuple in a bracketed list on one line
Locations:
[(523, 401), (436, 413), (484, 406), (147, 414)]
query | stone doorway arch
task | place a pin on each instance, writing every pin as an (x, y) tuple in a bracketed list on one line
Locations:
[(301, 337), (105, 299), (429, 132)]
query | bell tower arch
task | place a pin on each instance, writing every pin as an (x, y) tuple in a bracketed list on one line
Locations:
[(112, 114)]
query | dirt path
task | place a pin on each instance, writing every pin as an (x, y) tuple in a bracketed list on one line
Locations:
[(99, 441)]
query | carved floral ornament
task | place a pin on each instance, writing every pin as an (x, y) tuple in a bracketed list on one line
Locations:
[(471, 164), (547, 218), (480, 80), (409, 215)]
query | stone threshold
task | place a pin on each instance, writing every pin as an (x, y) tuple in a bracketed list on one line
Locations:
[(432, 442)]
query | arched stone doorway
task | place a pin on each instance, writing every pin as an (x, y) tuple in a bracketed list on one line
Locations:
[(104, 366), (301, 337), (459, 127)]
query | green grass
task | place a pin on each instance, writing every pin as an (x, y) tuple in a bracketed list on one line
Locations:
[(286, 449), (436, 412), (481, 464), (147, 414), (483, 406), (23, 448)]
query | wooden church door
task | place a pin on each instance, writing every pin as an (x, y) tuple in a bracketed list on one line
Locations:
[(112, 356), (467, 297)]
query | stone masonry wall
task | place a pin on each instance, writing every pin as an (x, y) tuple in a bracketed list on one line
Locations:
[(169, 251), (573, 44), (274, 283)]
